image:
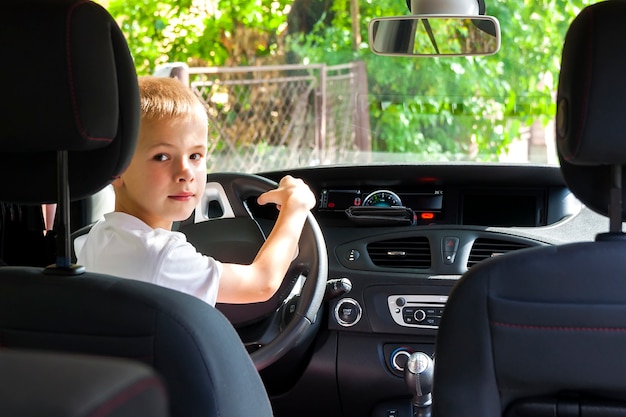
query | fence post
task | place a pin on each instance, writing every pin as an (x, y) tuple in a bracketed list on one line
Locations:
[(321, 138), (178, 70), (362, 136)]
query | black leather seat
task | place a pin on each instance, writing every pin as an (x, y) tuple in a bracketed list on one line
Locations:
[(542, 332), (70, 99), (43, 384)]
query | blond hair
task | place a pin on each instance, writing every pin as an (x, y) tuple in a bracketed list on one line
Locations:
[(168, 98)]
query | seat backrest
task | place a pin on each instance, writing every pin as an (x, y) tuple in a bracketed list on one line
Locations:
[(77, 106), (42, 384), (542, 332), (191, 345)]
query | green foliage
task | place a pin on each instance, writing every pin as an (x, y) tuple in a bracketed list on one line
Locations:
[(515, 87), (240, 32), (492, 97), (440, 106)]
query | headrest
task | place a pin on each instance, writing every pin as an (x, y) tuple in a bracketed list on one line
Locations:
[(69, 83), (591, 103)]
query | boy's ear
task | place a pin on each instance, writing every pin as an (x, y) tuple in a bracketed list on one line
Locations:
[(118, 181)]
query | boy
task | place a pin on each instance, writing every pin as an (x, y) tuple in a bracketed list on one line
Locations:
[(163, 184)]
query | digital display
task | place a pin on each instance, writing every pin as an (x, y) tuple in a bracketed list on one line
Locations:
[(502, 210), (340, 200), (423, 202)]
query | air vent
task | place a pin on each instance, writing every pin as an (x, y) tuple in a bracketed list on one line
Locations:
[(401, 253), (488, 248)]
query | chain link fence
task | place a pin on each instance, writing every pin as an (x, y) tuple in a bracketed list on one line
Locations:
[(277, 117)]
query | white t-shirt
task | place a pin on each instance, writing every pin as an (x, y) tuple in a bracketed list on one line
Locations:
[(124, 246)]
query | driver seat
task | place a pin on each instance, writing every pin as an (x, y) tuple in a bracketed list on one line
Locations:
[(542, 332), (70, 99)]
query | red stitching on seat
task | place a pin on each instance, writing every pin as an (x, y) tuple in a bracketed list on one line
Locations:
[(70, 74), (125, 396), (560, 328)]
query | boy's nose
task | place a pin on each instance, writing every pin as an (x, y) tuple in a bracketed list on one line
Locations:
[(185, 173)]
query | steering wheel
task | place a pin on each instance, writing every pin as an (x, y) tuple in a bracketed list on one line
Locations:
[(225, 227)]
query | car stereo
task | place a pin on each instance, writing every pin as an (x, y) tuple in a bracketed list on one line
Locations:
[(420, 311)]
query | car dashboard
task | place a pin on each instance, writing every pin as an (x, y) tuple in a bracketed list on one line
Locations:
[(398, 238)]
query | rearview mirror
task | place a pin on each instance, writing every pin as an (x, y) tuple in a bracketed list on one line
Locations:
[(433, 35)]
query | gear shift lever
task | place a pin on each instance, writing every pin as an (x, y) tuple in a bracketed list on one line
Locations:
[(418, 375)]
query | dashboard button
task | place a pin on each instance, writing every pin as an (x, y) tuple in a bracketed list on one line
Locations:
[(431, 321), (419, 315), (449, 247), (448, 257), (348, 312), (352, 255)]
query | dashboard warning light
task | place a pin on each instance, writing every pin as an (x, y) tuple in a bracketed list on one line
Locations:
[(427, 216), (331, 204)]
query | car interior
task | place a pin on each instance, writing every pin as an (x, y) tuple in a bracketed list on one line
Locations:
[(420, 289), (528, 332), (92, 127)]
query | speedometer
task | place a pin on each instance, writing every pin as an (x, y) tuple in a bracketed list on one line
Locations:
[(382, 198)]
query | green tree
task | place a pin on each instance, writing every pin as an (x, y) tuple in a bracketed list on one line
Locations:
[(508, 83), (438, 105), (430, 106), (240, 32)]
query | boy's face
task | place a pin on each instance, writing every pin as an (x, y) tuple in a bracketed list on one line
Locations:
[(167, 174)]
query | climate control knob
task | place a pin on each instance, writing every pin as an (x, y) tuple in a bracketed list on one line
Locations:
[(399, 358)]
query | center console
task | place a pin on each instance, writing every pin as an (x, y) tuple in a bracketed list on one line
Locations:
[(382, 328)]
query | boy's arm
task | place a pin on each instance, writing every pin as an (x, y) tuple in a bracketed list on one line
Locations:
[(259, 281)]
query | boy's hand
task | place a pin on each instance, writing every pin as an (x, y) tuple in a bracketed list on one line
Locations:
[(291, 194)]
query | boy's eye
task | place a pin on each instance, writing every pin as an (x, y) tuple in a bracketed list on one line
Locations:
[(196, 156), (160, 157)]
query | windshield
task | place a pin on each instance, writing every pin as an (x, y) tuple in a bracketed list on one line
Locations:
[(293, 83)]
